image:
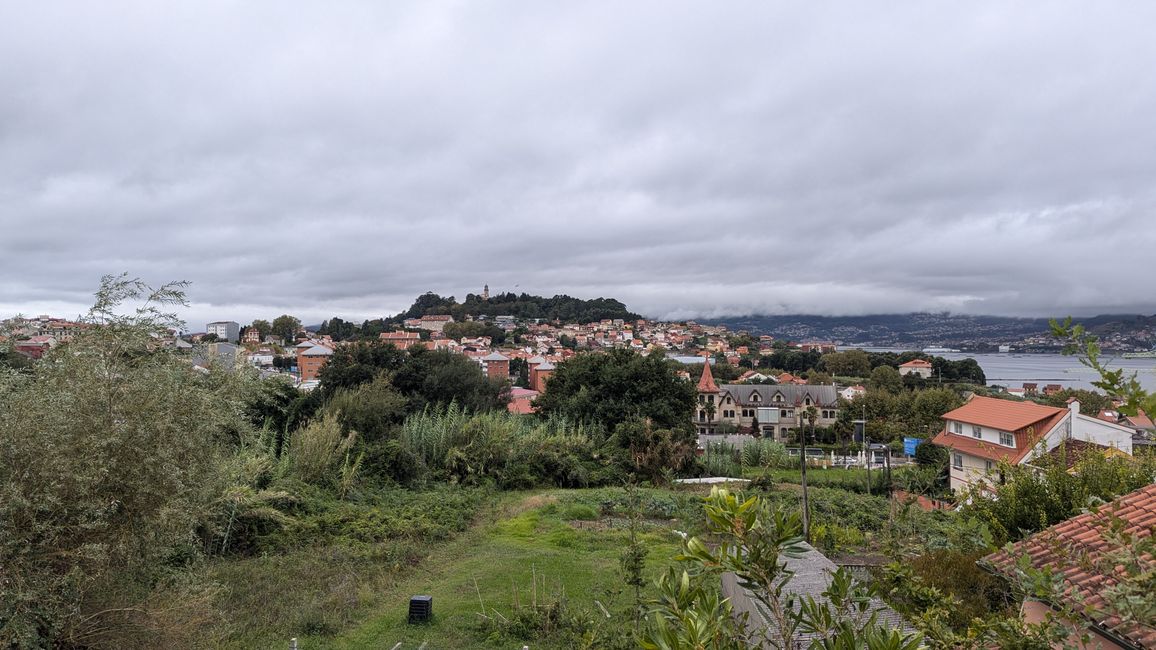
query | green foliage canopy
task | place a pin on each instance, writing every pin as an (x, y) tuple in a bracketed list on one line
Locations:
[(619, 386), (111, 456)]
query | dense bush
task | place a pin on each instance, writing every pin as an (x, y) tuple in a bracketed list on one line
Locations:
[(312, 517), (112, 451), (1030, 500), (509, 450), (834, 506)]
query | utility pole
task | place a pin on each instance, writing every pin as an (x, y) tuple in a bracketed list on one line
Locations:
[(887, 467), (803, 468), (867, 450)]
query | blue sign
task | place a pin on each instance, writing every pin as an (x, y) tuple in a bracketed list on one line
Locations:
[(909, 445)]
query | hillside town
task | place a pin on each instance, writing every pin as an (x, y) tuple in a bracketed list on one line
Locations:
[(530, 350), (932, 430)]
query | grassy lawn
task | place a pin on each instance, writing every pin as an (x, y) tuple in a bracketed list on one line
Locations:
[(544, 547), (547, 540)]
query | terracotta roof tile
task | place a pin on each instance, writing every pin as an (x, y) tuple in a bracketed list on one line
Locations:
[(1072, 451), (706, 382), (1002, 414), (916, 363), (1026, 439), (1075, 551)]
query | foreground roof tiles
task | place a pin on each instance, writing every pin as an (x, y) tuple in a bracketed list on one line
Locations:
[(1076, 550)]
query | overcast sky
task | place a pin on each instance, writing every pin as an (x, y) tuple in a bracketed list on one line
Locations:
[(688, 158)]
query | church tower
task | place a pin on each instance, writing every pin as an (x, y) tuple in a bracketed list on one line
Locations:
[(708, 395), (486, 292)]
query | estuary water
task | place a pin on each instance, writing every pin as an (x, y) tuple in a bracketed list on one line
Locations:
[(1012, 369)]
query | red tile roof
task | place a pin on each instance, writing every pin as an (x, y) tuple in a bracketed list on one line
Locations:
[(1077, 552), (1072, 451), (706, 382), (979, 448), (1002, 414), (1140, 420), (1029, 423), (916, 363)]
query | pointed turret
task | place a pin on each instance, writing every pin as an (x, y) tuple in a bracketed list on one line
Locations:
[(706, 382)]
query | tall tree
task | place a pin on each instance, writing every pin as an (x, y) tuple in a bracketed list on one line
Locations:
[(263, 327), (286, 327), (619, 386), (886, 378)]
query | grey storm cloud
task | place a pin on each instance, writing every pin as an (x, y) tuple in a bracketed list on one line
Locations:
[(690, 159)]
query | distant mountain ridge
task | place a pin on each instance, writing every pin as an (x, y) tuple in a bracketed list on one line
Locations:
[(926, 329)]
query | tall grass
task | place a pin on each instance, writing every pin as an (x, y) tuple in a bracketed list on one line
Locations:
[(315, 449), (726, 459), (765, 453), (511, 449), (722, 459)]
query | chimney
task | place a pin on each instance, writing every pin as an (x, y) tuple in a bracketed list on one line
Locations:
[(1074, 407)]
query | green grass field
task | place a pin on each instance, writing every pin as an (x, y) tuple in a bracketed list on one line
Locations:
[(520, 552), (521, 559)]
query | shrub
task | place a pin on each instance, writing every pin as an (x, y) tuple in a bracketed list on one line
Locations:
[(111, 458), (511, 451), (315, 449)]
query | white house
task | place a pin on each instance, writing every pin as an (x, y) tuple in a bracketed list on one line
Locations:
[(985, 431), (851, 392)]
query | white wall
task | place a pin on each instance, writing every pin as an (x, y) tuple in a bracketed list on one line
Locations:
[(1102, 433), (974, 470), (987, 434)]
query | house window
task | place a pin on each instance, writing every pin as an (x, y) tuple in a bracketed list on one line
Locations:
[(783, 431), (754, 397), (1006, 439), (710, 398), (728, 400), (779, 397), (957, 427), (783, 413), (987, 466), (807, 401), (976, 432), (957, 461)]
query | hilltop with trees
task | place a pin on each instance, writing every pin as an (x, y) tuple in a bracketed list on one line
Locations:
[(559, 308)]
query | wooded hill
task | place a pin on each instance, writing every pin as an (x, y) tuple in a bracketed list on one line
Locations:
[(562, 308)]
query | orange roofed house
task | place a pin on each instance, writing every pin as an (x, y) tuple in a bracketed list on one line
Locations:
[(1088, 561), (401, 340), (985, 431), (919, 367)]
